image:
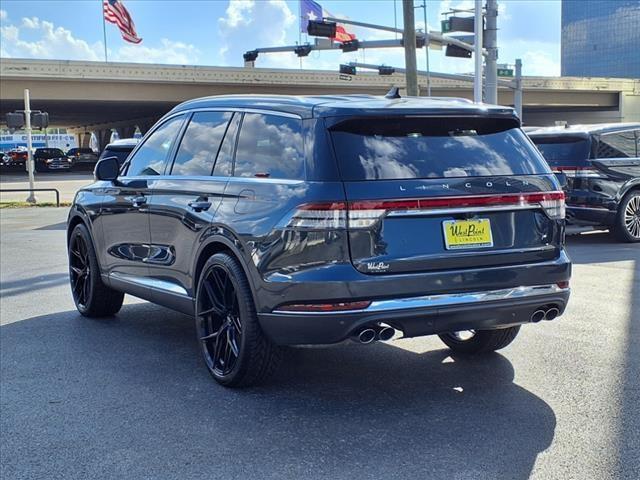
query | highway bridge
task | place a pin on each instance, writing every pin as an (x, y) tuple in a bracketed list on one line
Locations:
[(98, 96)]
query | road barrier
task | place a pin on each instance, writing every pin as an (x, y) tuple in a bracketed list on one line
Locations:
[(31, 190)]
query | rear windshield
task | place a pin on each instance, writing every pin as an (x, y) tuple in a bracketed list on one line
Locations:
[(564, 151), (403, 148)]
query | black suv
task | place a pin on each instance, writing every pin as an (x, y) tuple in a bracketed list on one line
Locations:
[(601, 164), (279, 220), (49, 159)]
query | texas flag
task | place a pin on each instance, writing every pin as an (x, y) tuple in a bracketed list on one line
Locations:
[(310, 10)]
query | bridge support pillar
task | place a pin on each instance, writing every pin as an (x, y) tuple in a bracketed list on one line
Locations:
[(126, 132), (103, 136)]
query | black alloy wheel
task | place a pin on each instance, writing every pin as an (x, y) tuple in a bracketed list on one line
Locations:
[(234, 348), (92, 297), (80, 270), (220, 328)]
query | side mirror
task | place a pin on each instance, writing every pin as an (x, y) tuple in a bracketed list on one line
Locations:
[(107, 169)]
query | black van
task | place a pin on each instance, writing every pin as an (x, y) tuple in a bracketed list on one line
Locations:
[(601, 164), (281, 220)]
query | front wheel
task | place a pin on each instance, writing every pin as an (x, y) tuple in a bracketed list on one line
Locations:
[(627, 227), (479, 341), (91, 296), (234, 348)]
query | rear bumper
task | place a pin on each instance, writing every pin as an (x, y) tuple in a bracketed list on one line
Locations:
[(417, 316)]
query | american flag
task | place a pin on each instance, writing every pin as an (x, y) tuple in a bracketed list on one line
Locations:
[(115, 12)]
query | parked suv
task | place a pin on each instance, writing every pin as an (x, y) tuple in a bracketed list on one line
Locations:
[(82, 158), (49, 159), (601, 164), (279, 220), (120, 149)]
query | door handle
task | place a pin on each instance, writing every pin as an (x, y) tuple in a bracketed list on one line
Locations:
[(200, 205), (139, 201)]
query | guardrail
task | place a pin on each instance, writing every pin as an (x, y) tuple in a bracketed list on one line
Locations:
[(3, 190)]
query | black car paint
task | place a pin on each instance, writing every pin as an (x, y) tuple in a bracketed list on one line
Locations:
[(594, 201), (149, 228)]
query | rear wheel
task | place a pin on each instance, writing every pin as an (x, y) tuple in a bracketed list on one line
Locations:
[(627, 227), (479, 341), (91, 296), (233, 346)]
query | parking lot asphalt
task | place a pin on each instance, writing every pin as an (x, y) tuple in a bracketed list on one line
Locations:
[(129, 398), (67, 183)]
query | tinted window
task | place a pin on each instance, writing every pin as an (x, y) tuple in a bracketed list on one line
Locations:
[(403, 148), (564, 150), (270, 146), (224, 161), (49, 153), (152, 154), (617, 145), (200, 143)]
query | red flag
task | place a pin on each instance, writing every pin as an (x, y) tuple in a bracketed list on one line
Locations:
[(342, 35), (115, 12)]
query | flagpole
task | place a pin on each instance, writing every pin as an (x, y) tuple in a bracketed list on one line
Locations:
[(299, 31), (104, 31)]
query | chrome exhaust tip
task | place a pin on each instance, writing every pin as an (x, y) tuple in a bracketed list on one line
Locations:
[(386, 333), (551, 313), (366, 336), (538, 315)]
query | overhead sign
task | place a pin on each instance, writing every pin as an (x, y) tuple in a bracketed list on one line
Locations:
[(505, 72), (458, 24)]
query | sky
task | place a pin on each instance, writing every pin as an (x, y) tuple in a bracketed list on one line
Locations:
[(218, 32)]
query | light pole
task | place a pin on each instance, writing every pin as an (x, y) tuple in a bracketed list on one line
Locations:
[(27, 126), (426, 46), (477, 83), (409, 40), (491, 78)]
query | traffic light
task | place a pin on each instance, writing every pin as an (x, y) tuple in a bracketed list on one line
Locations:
[(456, 51), (15, 120), (250, 56), (302, 50), (350, 46), (347, 69), (39, 120)]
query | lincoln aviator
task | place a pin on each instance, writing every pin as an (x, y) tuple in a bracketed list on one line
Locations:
[(283, 220)]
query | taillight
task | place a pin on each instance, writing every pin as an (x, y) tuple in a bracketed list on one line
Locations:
[(325, 307), (364, 214)]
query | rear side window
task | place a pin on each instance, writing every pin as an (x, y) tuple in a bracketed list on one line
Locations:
[(617, 145), (404, 148), (200, 143), (270, 146), (150, 158), (564, 150)]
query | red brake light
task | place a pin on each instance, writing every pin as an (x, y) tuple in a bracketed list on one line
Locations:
[(326, 307)]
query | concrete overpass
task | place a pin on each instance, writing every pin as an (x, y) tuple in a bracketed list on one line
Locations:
[(98, 96)]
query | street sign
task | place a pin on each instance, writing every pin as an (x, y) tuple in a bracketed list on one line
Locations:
[(505, 72), (458, 24)]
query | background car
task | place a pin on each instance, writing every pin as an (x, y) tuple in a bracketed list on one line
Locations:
[(119, 149), (601, 164), (83, 158), (50, 159), (15, 158)]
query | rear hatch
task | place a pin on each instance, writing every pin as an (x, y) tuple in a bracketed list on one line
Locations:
[(429, 193)]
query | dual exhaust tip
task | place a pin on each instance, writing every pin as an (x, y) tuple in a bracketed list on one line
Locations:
[(374, 333), (545, 314)]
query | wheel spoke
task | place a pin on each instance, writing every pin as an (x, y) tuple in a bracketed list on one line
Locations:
[(233, 346), (216, 333), (216, 305)]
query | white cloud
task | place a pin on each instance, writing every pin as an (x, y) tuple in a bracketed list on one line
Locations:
[(169, 52), (540, 63), (3, 15), (51, 42), (249, 24)]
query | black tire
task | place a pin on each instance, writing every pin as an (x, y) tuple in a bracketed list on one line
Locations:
[(482, 341), (235, 350), (627, 226), (91, 296)]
